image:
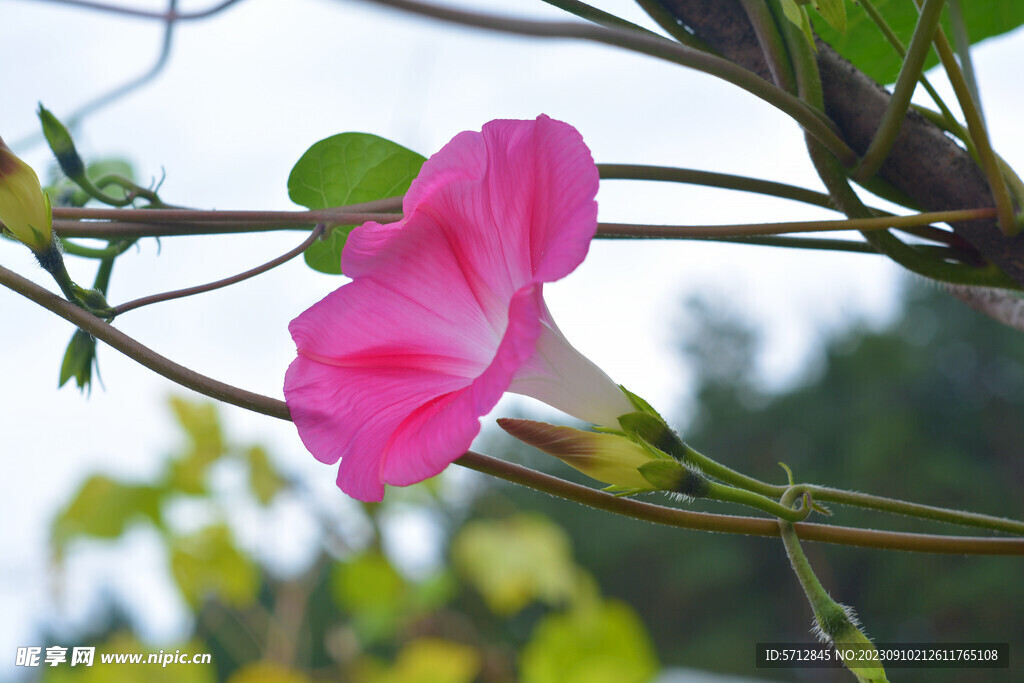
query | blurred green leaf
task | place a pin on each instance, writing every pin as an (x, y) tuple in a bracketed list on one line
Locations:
[(428, 660), (346, 169), (103, 508), (133, 673), (65, 192), (264, 480), (379, 599), (865, 46), (373, 592), (207, 564), (367, 582), (598, 643), (516, 561), (205, 445)]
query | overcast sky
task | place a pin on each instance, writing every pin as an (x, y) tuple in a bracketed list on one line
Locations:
[(244, 95)]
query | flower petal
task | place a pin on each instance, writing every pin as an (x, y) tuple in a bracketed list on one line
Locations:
[(445, 307)]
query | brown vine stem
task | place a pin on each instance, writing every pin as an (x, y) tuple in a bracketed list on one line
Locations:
[(931, 543), (108, 223), (233, 280), (755, 229), (169, 16), (814, 122)]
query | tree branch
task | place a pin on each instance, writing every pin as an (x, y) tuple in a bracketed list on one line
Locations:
[(924, 163)]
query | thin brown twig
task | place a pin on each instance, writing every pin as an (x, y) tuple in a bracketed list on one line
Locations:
[(228, 281), (633, 508), (168, 16)]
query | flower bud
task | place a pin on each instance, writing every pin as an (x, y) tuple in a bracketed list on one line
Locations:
[(837, 624), (609, 458), (60, 142), (24, 207)]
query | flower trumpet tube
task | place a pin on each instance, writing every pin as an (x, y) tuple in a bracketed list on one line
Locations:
[(24, 207), (445, 311)]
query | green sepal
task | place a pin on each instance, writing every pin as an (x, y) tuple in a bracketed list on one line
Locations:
[(650, 430), (670, 475), (640, 404)]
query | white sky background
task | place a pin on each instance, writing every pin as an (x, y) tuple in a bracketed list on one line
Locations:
[(244, 95)]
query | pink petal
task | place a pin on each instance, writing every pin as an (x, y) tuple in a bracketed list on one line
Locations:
[(445, 306)]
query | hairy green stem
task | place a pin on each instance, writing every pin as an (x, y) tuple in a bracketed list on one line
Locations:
[(901, 50), (834, 177), (938, 514), (913, 63), (963, 49), (730, 494), (772, 45), (979, 134)]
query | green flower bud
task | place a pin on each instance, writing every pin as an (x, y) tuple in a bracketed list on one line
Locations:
[(670, 475), (61, 143), (24, 207), (837, 623), (610, 458)]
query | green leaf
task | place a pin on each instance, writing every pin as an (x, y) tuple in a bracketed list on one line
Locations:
[(430, 660), (264, 480), (79, 360), (207, 564), (103, 508), (370, 589), (65, 192), (516, 561), (865, 46), (346, 169), (201, 424), (601, 643), (832, 11)]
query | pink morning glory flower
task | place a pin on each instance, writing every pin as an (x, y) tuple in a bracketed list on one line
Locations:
[(445, 310)]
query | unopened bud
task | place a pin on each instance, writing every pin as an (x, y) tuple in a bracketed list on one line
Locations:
[(60, 142), (609, 458), (24, 207)]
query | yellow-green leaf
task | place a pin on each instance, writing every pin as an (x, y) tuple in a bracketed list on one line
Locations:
[(207, 564), (516, 561), (103, 508), (201, 424), (598, 643), (430, 660), (264, 480), (832, 11)]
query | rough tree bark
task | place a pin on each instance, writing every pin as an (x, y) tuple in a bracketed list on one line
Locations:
[(924, 163)]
